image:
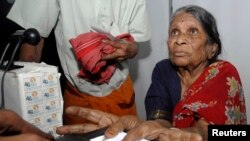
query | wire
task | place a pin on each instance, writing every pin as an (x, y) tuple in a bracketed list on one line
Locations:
[(10, 62), (4, 52)]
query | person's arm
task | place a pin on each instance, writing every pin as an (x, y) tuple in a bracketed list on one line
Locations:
[(164, 123), (23, 137), (41, 15), (152, 130), (99, 119), (163, 93), (4, 125), (138, 28), (201, 127), (135, 127), (12, 124), (30, 53), (123, 50)]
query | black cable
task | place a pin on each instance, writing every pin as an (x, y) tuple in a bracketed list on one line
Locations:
[(4, 53), (10, 62), (30, 36)]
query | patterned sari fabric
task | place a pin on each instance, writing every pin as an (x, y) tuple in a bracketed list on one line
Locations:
[(216, 96)]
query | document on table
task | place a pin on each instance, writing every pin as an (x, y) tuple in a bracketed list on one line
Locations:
[(119, 137)]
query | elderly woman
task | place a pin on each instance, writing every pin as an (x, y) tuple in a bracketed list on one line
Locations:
[(189, 91), (190, 85)]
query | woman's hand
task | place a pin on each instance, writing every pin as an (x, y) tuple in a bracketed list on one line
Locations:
[(150, 130), (100, 119), (125, 123), (136, 129)]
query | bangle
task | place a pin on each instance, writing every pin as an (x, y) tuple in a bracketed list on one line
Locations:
[(160, 114)]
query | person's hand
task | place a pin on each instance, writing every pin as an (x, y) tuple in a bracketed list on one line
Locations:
[(150, 130), (12, 124), (100, 119), (123, 50), (23, 137), (127, 122), (174, 134), (136, 129), (201, 127)]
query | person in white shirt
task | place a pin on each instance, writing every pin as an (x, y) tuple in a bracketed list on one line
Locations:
[(71, 18)]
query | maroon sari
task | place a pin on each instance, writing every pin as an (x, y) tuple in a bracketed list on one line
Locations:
[(216, 96)]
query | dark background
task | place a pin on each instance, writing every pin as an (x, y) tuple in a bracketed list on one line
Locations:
[(7, 28)]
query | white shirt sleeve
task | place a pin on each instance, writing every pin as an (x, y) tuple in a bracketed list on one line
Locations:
[(139, 23), (39, 14)]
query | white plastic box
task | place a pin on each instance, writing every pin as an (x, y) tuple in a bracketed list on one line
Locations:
[(34, 92)]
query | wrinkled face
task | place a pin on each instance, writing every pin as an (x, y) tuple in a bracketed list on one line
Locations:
[(187, 42)]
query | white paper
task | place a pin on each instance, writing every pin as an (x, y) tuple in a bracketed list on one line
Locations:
[(119, 137)]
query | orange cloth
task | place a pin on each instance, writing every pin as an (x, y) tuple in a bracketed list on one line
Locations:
[(89, 49), (120, 102)]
